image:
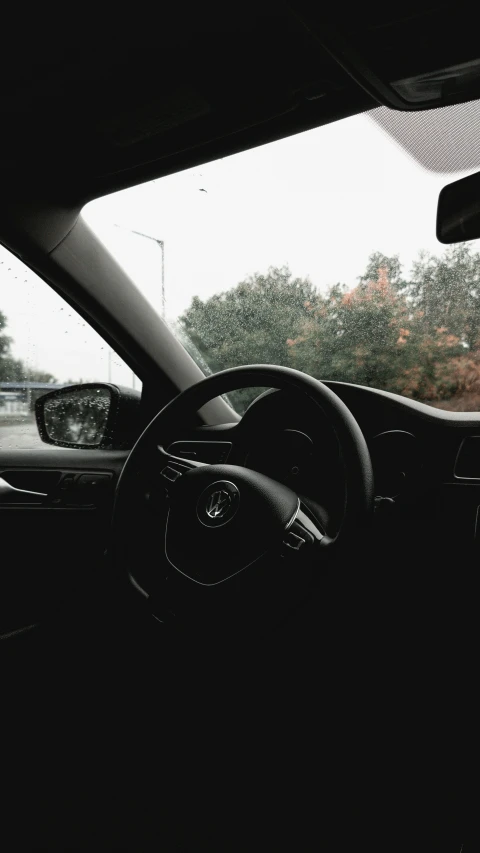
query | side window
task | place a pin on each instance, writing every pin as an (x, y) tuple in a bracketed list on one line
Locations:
[(44, 344)]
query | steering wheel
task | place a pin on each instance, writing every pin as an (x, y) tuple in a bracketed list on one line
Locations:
[(225, 539)]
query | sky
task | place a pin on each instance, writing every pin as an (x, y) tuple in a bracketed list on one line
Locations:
[(320, 202)]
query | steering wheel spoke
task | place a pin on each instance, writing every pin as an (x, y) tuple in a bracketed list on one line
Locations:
[(303, 531), (173, 467)]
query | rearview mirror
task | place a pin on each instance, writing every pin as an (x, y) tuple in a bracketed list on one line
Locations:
[(88, 416), (458, 212)]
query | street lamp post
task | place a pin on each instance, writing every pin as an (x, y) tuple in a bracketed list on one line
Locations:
[(161, 244)]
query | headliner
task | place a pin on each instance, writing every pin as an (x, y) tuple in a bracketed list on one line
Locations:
[(88, 112)]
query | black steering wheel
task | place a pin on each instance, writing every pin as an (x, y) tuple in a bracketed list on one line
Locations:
[(224, 538)]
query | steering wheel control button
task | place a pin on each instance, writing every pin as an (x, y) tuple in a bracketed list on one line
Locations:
[(218, 503), (210, 452), (294, 541), (170, 473)]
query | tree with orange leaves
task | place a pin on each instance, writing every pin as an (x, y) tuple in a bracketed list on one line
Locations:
[(419, 337), (361, 335)]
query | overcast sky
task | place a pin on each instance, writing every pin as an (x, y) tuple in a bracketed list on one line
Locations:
[(320, 202)]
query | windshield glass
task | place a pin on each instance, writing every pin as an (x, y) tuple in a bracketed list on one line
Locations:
[(317, 252)]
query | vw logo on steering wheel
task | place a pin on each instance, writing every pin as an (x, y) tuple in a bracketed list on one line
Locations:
[(218, 503)]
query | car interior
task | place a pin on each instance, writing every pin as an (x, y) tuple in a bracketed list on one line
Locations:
[(226, 631)]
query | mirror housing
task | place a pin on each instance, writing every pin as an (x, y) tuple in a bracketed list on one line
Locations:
[(458, 211), (89, 416)]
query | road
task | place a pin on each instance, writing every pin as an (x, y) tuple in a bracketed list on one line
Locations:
[(20, 436)]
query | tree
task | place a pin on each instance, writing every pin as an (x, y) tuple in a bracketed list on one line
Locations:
[(417, 336), (255, 321), (359, 335), (445, 295), (447, 291), (392, 265)]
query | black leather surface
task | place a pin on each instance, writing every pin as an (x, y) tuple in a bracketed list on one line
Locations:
[(211, 554)]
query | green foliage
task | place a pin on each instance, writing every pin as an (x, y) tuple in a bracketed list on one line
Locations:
[(419, 336), (392, 265), (447, 291), (252, 322)]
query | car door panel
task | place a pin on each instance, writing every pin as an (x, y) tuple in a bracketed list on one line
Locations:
[(53, 541)]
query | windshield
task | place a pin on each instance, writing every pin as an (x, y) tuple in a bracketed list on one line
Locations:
[(317, 252)]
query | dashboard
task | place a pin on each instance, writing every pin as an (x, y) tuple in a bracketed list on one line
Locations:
[(288, 437), (425, 459), (302, 450)]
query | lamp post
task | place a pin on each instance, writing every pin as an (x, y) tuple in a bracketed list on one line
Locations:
[(159, 243)]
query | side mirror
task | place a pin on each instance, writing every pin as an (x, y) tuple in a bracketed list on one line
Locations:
[(89, 416)]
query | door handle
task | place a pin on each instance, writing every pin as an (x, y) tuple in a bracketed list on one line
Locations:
[(10, 494)]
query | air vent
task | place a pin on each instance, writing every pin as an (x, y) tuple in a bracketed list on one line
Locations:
[(212, 452), (467, 465)]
